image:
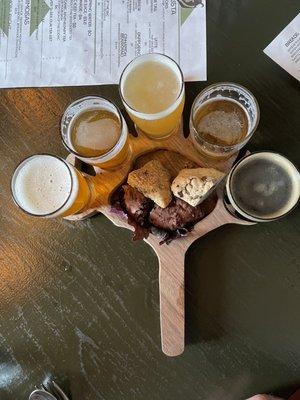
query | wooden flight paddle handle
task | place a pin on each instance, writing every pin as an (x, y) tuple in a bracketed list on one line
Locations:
[(171, 276), (171, 292)]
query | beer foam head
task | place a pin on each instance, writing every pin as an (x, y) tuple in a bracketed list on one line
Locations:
[(42, 185)]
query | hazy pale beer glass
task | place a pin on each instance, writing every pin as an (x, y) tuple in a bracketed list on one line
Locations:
[(224, 117), (152, 90), (47, 186), (262, 187), (94, 130)]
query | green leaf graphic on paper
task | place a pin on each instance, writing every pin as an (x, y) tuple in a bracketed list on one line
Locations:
[(4, 15), (185, 13), (38, 11), (187, 7)]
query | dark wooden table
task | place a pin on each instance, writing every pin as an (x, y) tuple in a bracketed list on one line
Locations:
[(80, 300)]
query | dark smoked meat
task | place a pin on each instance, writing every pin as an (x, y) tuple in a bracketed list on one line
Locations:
[(167, 223), (177, 215), (137, 205)]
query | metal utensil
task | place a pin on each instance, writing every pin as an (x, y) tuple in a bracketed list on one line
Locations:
[(52, 387), (58, 391), (39, 394)]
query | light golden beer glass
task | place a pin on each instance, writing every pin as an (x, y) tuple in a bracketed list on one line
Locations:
[(153, 93), (47, 186)]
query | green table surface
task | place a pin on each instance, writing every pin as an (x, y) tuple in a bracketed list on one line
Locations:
[(80, 300)]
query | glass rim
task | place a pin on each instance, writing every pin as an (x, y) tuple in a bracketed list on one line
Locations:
[(239, 209), (14, 176), (122, 131), (249, 135), (153, 115)]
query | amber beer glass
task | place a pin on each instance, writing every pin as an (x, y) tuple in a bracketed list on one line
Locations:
[(94, 130), (152, 90), (224, 116), (47, 186)]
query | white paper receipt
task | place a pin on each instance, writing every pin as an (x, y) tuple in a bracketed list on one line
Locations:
[(89, 42), (285, 48)]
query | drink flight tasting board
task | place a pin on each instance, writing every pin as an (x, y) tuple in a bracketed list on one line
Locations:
[(176, 152), (166, 186)]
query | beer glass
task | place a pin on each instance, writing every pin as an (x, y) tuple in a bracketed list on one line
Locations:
[(152, 90), (262, 187), (47, 186), (101, 132), (224, 116)]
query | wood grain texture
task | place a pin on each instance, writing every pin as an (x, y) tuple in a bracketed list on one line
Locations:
[(80, 300)]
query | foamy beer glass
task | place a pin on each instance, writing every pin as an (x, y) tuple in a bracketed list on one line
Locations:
[(262, 187), (224, 116), (47, 186), (152, 90), (94, 130)]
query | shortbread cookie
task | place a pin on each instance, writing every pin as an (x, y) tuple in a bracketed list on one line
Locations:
[(192, 184), (153, 180)]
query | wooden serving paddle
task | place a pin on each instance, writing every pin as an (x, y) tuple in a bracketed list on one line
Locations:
[(175, 153)]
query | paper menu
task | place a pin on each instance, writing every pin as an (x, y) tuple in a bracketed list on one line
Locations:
[(89, 42), (285, 48)]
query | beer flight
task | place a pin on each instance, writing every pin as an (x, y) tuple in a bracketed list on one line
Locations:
[(261, 187)]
